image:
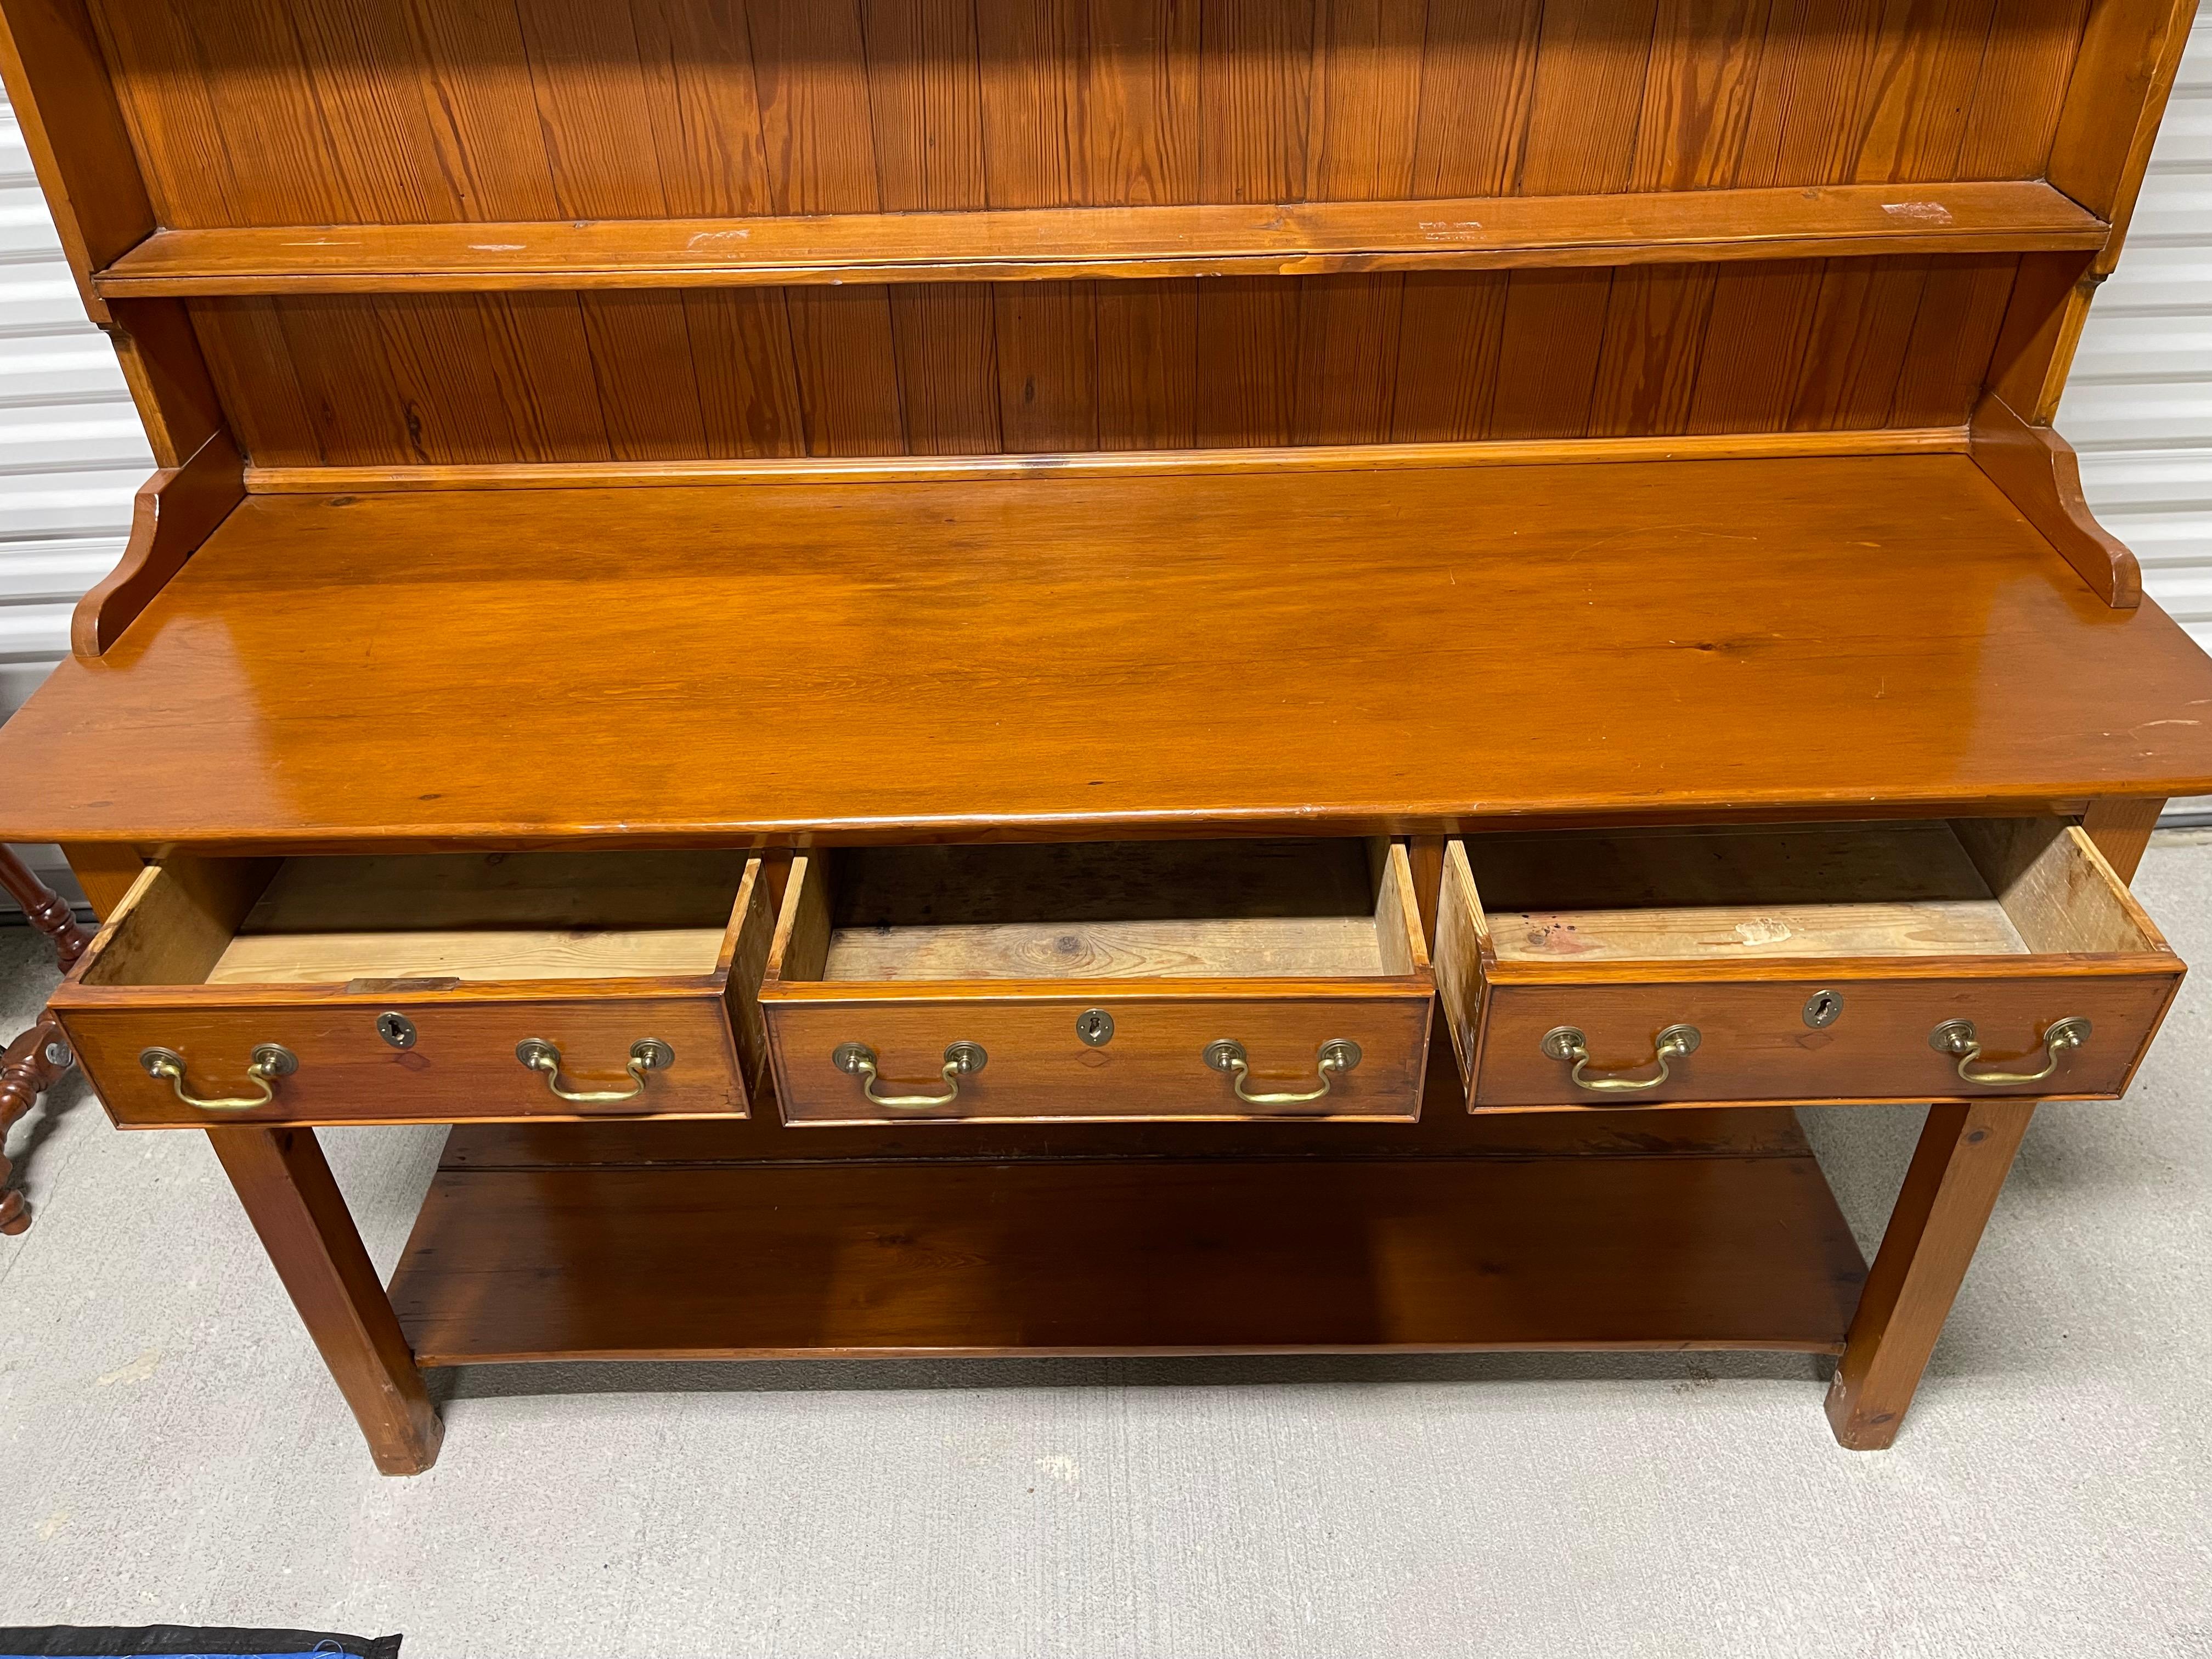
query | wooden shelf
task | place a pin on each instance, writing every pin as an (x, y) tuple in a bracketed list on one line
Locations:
[(1650, 1250), (1308, 239), (1403, 651)]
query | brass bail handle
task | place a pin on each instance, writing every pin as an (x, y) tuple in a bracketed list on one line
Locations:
[(1958, 1037), (269, 1062), (1333, 1057), (646, 1054), (960, 1060), (1567, 1042)]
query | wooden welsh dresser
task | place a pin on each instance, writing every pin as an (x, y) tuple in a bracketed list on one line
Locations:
[(990, 677)]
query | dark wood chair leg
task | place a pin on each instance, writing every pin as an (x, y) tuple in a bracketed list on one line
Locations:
[(1958, 1170), (296, 1208), (47, 912), (32, 1064)]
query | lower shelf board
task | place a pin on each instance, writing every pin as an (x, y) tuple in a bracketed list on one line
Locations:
[(1080, 1257)]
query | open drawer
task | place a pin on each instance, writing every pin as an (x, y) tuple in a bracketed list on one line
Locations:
[(1874, 961), (425, 989), (1111, 981)]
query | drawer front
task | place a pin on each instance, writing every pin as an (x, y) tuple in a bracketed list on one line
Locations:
[(1037, 1067), (1755, 1045), (461, 1065)]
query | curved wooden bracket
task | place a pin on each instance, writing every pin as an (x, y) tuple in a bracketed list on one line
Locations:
[(2039, 474), (176, 510)]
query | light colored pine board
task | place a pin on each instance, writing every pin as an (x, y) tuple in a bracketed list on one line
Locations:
[(1880, 890), (1691, 932), (173, 922), (467, 954), (1242, 947), (2057, 887)]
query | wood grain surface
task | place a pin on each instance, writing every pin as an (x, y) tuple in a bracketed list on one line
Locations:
[(938, 919), (1730, 892), (569, 145), (316, 113), (1757, 1046), (1329, 946), (1444, 1129), (288, 1192), (210, 958), (463, 1064), (2040, 474), (320, 480), (978, 1258), (369, 249), (1153, 1069), (1957, 1171), (59, 88), (1086, 659), (435, 379), (2067, 941), (173, 513), (1029, 244)]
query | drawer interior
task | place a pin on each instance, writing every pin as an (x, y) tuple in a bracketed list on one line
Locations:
[(428, 918), (1271, 909), (1965, 887)]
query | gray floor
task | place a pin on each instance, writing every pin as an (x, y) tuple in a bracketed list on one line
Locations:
[(174, 1451)]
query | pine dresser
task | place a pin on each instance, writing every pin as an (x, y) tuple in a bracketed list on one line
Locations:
[(1099, 677)]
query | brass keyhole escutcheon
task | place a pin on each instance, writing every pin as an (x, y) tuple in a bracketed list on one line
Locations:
[(1094, 1027), (1823, 1009), (397, 1029)]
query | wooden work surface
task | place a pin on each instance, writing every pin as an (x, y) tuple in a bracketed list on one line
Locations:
[(1068, 656)]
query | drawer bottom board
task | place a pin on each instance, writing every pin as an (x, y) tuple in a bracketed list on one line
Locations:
[(949, 1257)]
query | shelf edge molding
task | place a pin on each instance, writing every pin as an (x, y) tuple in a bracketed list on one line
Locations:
[(1204, 239), (1100, 464)]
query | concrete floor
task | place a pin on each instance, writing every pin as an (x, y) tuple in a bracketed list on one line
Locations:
[(174, 1451)]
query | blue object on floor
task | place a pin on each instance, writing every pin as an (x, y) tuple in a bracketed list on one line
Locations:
[(186, 1642)]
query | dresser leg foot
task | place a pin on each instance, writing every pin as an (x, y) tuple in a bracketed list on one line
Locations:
[(1957, 1172), (288, 1194)]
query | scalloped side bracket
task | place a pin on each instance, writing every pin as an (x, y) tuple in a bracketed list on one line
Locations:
[(176, 510), (2039, 474)]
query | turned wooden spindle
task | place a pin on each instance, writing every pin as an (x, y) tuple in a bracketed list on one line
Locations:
[(45, 910), (32, 1063), (35, 1061)]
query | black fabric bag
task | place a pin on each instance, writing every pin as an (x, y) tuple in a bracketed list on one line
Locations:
[(118, 1642)]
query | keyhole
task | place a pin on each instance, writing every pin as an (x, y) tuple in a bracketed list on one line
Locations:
[(1821, 1009), (1095, 1027)]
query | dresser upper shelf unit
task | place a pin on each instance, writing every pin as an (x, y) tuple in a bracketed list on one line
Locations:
[(1198, 240)]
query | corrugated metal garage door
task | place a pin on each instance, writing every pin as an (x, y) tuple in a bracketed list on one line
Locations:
[(71, 451), (2139, 404)]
